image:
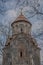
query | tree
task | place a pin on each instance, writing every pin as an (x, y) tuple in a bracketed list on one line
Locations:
[(35, 7)]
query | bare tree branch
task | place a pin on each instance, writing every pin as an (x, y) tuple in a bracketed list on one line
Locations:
[(37, 11)]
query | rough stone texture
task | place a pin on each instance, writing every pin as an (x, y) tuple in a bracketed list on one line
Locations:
[(21, 48), (26, 28)]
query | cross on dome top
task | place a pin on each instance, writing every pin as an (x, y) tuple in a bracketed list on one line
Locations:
[(21, 11)]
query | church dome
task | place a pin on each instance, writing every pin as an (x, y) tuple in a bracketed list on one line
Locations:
[(21, 24), (21, 18)]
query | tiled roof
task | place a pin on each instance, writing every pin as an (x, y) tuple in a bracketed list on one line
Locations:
[(20, 18)]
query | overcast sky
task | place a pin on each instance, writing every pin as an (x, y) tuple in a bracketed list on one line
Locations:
[(10, 9)]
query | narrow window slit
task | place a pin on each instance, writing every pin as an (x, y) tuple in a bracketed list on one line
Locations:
[(21, 54), (21, 30)]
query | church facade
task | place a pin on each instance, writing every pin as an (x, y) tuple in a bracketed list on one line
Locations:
[(21, 48)]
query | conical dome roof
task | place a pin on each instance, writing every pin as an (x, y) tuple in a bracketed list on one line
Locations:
[(20, 18)]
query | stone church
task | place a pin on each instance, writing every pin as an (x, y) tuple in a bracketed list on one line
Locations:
[(21, 48)]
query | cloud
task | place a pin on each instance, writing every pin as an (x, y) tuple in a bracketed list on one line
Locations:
[(10, 4), (11, 13), (10, 16)]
